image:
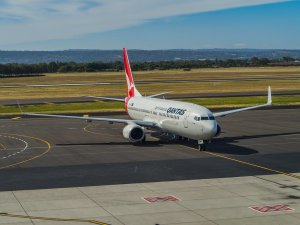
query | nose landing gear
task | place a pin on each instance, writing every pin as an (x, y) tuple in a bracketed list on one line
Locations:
[(201, 145)]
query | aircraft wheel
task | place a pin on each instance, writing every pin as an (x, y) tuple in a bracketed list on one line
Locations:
[(201, 147)]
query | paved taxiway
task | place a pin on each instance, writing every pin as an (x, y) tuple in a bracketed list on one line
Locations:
[(74, 156), (96, 154)]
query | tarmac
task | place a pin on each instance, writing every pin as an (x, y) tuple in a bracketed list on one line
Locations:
[(53, 170)]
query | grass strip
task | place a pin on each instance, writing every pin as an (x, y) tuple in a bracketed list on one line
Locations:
[(91, 107), (147, 89)]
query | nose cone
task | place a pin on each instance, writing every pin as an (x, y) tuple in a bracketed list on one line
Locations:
[(210, 129)]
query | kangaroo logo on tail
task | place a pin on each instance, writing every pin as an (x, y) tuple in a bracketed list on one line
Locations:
[(131, 90)]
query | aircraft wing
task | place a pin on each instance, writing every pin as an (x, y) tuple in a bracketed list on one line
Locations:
[(269, 102), (111, 120), (106, 98)]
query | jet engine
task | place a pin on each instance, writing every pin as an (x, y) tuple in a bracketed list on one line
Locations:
[(134, 133), (218, 130)]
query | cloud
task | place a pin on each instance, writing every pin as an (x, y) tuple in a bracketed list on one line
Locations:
[(24, 21)]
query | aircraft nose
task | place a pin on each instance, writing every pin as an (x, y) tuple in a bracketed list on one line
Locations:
[(210, 129)]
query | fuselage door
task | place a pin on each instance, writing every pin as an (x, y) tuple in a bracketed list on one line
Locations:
[(186, 119)]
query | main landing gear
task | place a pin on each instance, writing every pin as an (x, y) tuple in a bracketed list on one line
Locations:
[(201, 145)]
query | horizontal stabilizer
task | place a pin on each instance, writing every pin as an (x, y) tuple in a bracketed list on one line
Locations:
[(160, 94), (106, 98)]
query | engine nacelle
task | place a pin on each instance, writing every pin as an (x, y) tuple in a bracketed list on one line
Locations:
[(218, 130), (134, 133)]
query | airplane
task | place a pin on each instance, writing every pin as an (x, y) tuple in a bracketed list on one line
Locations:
[(178, 118)]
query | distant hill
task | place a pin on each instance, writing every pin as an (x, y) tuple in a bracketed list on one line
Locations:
[(33, 57)]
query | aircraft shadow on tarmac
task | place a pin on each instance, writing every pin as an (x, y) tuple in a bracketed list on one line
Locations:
[(223, 146), (227, 144), (219, 145), (148, 144)]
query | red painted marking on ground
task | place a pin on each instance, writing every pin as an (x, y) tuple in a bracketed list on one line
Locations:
[(271, 208), (169, 198)]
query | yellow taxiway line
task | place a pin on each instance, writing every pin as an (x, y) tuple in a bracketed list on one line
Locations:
[(52, 219), (252, 164), (246, 163)]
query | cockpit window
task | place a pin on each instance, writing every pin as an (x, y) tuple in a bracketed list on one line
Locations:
[(199, 118)]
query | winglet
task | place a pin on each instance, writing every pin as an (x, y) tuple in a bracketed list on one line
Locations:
[(269, 96)]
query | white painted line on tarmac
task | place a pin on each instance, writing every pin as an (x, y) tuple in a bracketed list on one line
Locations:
[(18, 139)]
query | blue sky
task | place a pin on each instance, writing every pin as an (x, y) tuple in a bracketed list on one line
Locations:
[(148, 24)]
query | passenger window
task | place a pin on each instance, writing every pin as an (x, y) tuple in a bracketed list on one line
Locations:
[(204, 118)]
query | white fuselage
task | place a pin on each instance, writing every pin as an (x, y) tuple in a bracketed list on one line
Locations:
[(180, 118)]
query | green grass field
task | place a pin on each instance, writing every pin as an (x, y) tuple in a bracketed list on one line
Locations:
[(118, 106), (147, 89), (176, 88), (153, 88), (159, 75)]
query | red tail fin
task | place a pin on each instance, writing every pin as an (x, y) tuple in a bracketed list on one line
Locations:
[(131, 90)]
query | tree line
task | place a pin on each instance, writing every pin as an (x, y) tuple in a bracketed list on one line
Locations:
[(9, 70)]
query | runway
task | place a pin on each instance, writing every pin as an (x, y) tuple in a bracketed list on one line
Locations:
[(68, 153)]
